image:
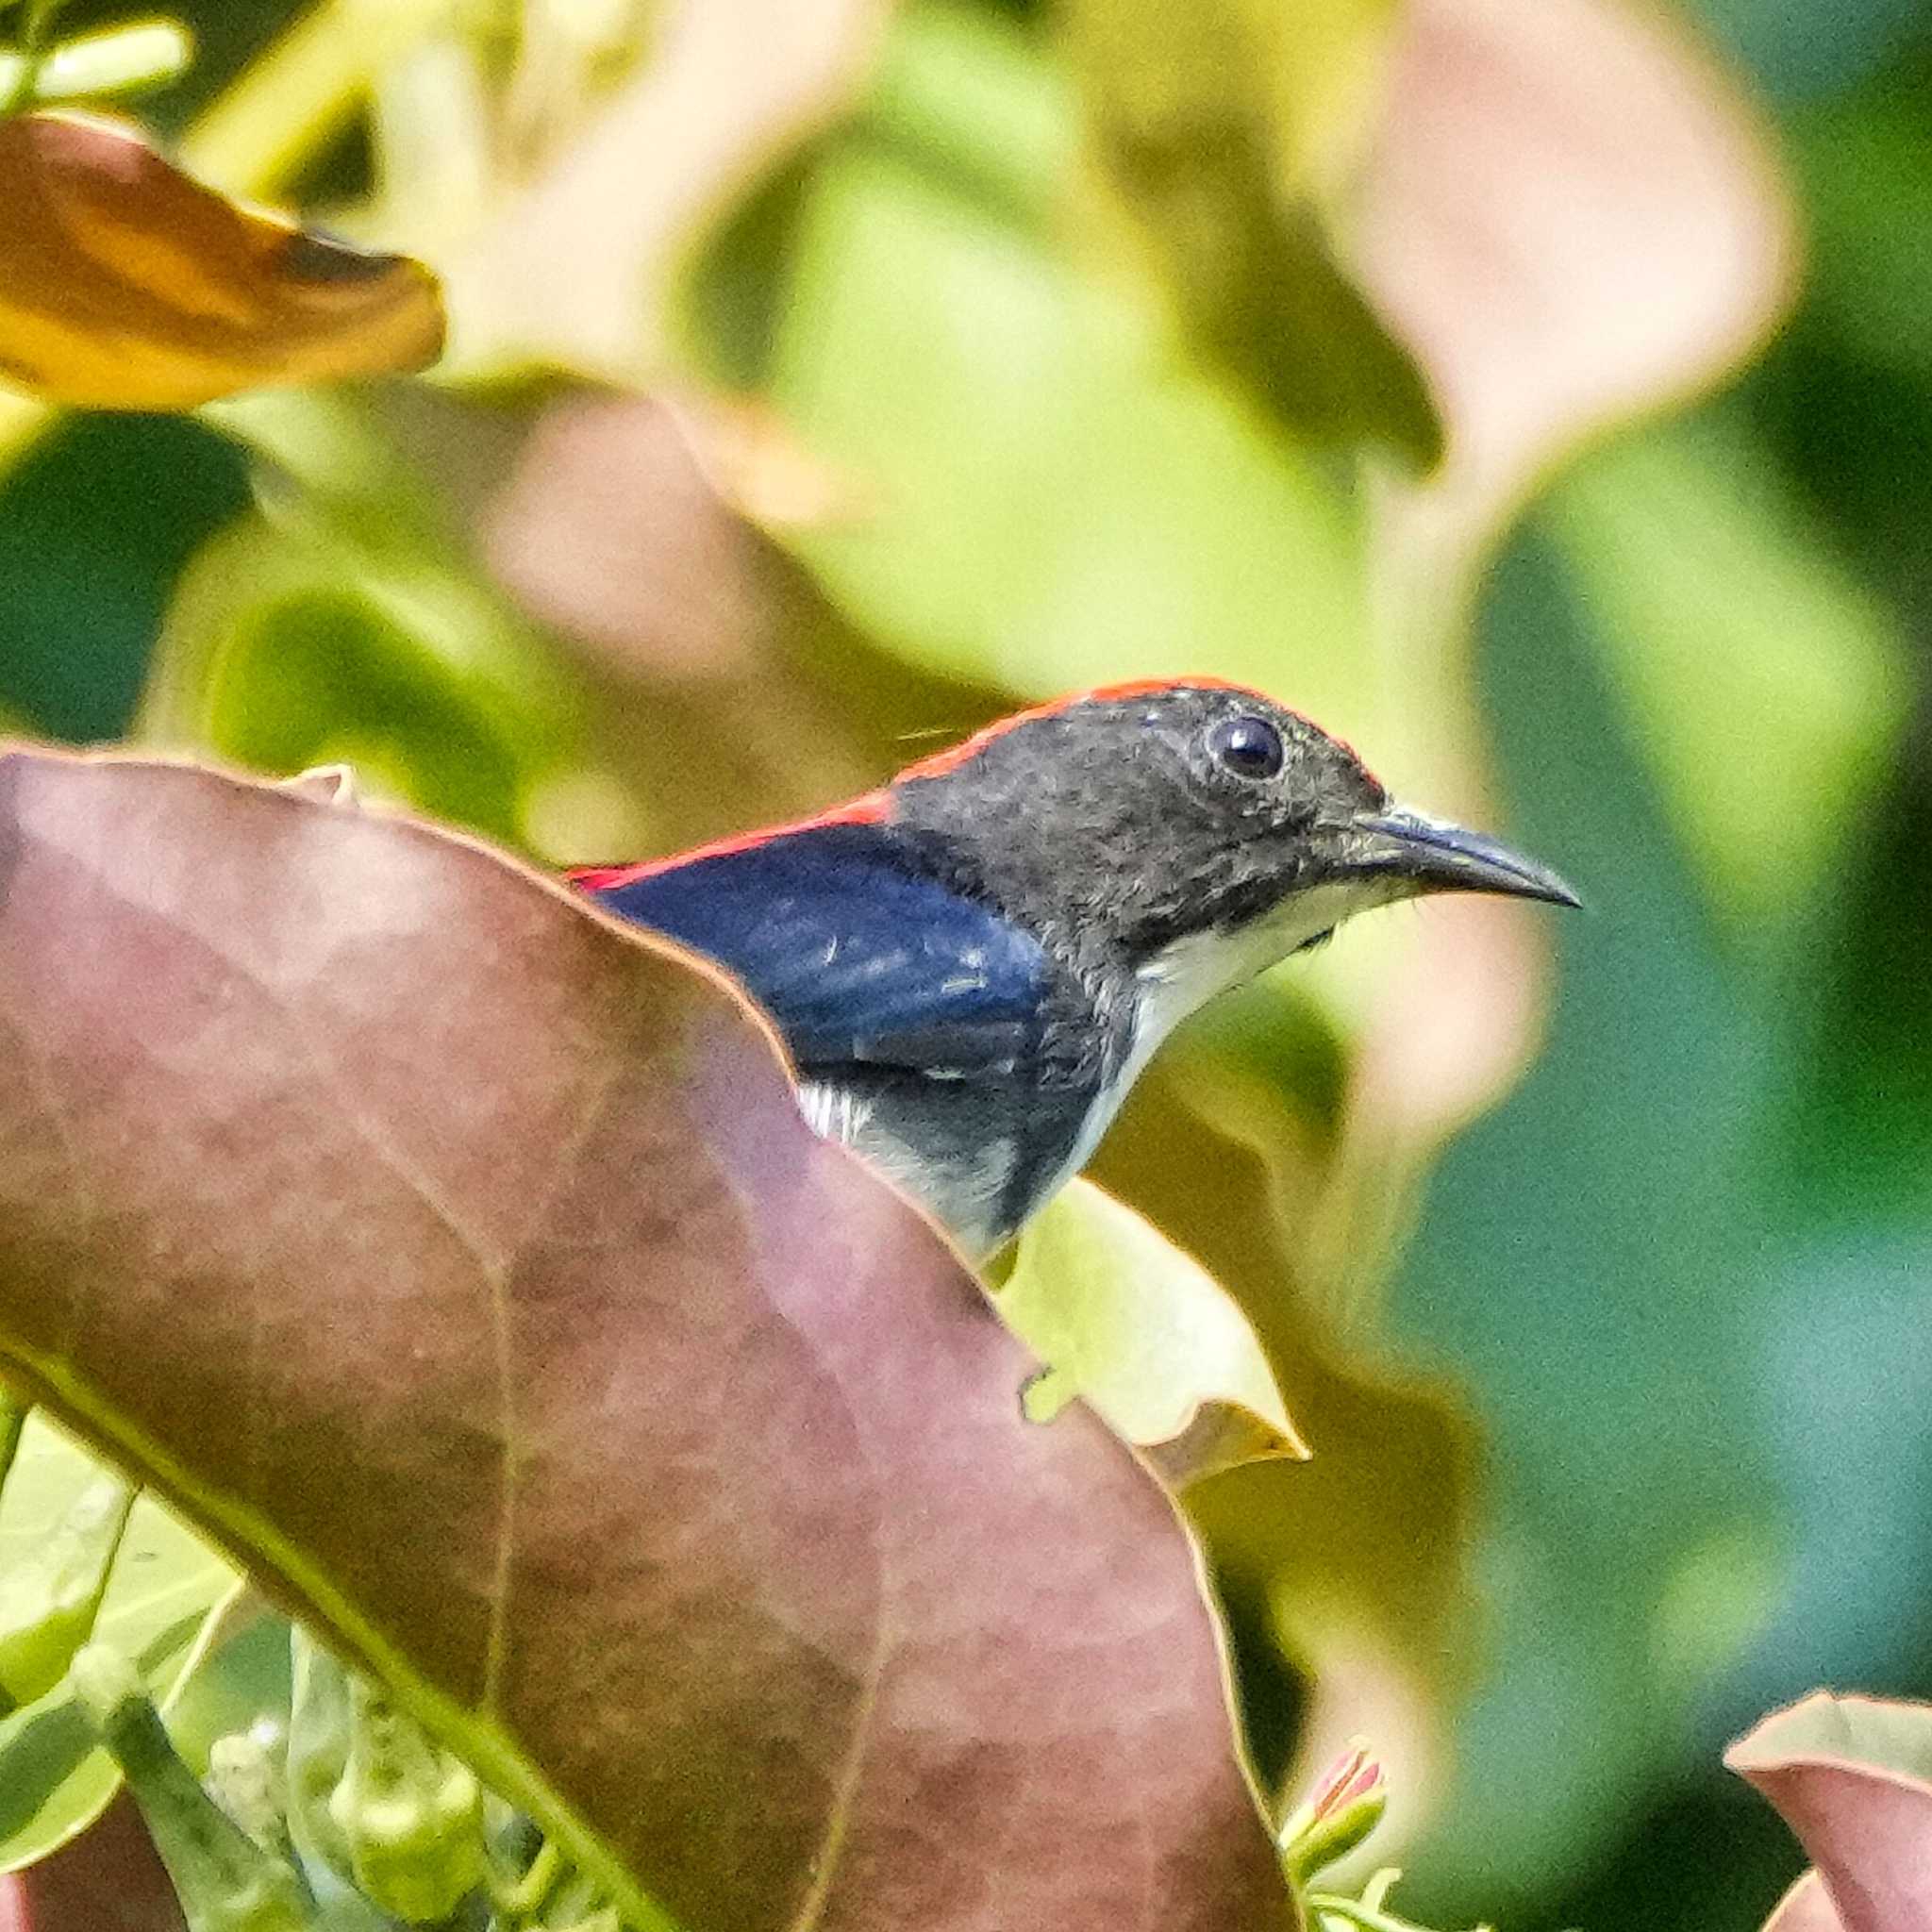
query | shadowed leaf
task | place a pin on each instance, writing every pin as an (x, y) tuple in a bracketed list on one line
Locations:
[(463, 1261), (126, 285), (1851, 1776), (1219, 130), (1146, 1335)]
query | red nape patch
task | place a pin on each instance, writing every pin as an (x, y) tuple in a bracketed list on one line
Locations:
[(868, 808)]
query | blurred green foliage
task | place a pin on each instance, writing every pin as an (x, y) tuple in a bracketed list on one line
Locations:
[(99, 522), (1620, 1420)]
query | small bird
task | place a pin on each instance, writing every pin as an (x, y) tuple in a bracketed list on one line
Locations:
[(973, 965)]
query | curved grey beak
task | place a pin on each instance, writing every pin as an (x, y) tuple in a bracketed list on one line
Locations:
[(1437, 857)]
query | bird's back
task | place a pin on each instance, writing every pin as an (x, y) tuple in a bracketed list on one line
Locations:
[(928, 1031)]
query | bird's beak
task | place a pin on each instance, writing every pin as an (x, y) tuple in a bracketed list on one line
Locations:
[(1432, 856)]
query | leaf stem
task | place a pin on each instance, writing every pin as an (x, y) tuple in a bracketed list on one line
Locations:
[(516, 1901), (13, 1414), (1359, 1913), (253, 139)]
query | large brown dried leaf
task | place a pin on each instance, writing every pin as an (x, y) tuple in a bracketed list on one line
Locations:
[(126, 285), (461, 1261), (1851, 1776)]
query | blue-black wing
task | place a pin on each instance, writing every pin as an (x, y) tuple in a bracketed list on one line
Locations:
[(855, 952)]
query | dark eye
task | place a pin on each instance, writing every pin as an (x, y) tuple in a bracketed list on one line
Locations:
[(1249, 747)]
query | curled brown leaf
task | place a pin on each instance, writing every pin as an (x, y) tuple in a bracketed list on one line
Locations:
[(125, 284), (1851, 1776)]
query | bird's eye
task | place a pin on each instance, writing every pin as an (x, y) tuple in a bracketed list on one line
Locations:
[(1247, 747)]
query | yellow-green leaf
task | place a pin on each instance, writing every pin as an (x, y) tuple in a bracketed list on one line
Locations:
[(126, 285), (1146, 1335), (163, 1598), (1767, 684)]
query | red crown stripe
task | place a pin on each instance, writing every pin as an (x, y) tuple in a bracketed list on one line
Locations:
[(955, 756), (875, 808), (941, 762), (869, 808)]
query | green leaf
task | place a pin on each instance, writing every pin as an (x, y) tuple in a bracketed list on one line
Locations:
[(1220, 130), (290, 646), (1111, 510), (1867, 181), (1766, 685), (117, 60), (164, 1593), (224, 1880), (50, 1595), (1145, 1333)]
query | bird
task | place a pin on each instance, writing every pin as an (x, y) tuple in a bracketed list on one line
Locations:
[(972, 965)]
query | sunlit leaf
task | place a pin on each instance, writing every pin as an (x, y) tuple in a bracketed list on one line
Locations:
[(574, 271), (165, 1590), (1120, 515), (125, 284), (1768, 686), (1145, 1333), (118, 60), (465, 1261), (1852, 1777)]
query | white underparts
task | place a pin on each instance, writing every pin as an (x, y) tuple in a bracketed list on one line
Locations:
[(1176, 982), (1181, 980)]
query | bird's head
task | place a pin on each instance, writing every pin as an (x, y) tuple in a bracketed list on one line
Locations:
[(1195, 829)]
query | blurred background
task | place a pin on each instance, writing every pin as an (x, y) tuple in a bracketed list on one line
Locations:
[(1538, 391)]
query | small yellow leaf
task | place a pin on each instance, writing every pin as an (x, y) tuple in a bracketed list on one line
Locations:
[(1123, 1318), (126, 285)]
